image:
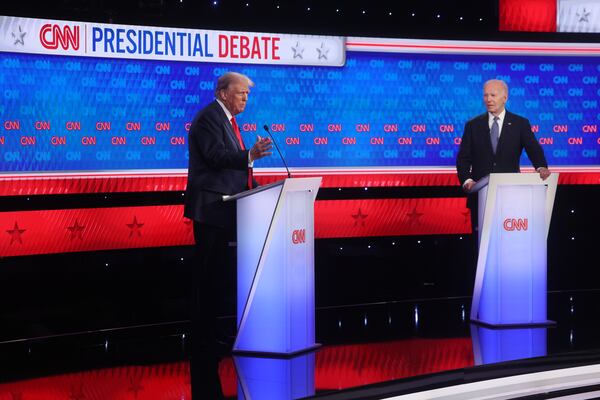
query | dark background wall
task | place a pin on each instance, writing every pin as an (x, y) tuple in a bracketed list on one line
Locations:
[(53, 294)]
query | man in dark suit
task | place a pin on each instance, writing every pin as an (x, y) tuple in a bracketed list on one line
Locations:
[(493, 142), (219, 164)]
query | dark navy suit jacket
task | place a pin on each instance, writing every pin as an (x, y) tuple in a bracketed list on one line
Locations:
[(217, 166), (476, 158)]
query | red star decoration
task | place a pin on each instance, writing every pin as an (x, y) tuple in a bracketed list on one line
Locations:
[(136, 386), (413, 216), (187, 222), (15, 234), (135, 227), (76, 230), (359, 217)]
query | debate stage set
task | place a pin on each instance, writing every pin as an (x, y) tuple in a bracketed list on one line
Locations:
[(356, 272)]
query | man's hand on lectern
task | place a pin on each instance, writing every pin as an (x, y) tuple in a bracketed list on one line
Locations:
[(468, 185), (544, 173)]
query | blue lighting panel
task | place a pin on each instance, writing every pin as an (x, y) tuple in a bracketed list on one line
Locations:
[(379, 110)]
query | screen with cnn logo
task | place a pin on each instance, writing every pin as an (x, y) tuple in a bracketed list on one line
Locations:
[(99, 97)]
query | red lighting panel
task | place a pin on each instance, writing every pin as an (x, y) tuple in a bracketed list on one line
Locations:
[(528, 15)]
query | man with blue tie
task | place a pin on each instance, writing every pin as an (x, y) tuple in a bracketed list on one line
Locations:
[(493, 142)]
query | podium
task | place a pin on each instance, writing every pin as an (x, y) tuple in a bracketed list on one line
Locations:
[(514, 217), (275, 268)]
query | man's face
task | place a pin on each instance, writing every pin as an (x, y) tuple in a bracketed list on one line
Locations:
[(235, 96), (494, 97)]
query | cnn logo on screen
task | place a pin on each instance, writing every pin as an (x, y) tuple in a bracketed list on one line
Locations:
[(516, 224), (53, 35), (299, 236)]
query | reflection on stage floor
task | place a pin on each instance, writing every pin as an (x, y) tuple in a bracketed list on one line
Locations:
[(362, 345)]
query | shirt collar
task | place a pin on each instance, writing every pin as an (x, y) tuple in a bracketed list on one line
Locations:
[(227, 113), (500, 117)]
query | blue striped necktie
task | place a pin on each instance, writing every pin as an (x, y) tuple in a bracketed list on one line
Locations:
[(494, 134)]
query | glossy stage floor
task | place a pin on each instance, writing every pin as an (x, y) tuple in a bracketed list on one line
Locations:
[(417, 349)]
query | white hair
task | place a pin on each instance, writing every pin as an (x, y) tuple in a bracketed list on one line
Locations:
[(499, 81), (230, 77)]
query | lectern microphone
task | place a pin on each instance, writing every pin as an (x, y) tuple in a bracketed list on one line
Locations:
[(266, 128)]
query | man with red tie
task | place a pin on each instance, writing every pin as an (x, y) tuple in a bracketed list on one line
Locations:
[(219, 164)]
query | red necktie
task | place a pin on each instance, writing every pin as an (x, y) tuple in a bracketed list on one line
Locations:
[(236, 129)]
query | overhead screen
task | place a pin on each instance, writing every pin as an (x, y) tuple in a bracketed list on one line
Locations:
[(580, 16), (382, 103)]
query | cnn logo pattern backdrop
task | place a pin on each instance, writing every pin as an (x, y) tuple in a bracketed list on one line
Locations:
[(379, 110)]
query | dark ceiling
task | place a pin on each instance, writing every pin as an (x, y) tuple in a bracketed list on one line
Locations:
[(448, 19), (342, 17)]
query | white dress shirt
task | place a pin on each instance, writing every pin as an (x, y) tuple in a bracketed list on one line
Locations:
[(500, 121)]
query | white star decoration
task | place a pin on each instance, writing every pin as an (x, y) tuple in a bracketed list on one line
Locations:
[(322, 51), (19, 37), (298, 50), (583, 16)]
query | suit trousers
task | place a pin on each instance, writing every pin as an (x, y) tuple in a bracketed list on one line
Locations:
[(473, 204), (211, 287), (213, 281)]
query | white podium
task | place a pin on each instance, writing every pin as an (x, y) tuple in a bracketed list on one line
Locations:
[(514, 218), (275, 268)]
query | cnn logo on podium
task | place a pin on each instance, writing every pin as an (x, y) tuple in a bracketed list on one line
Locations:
[(299, 236), (515, 224)]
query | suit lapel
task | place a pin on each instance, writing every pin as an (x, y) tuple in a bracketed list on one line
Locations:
[(507, 126), (229, 133), (485, 128)]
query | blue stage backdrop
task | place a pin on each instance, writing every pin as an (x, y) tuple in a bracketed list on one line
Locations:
[(380, 109)]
